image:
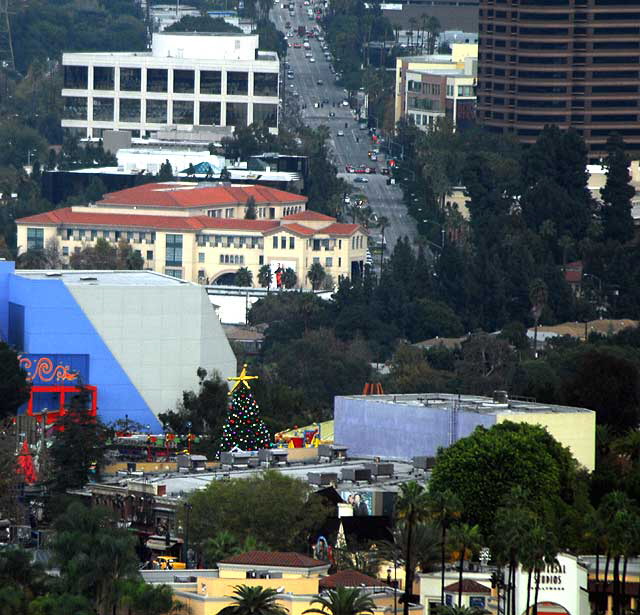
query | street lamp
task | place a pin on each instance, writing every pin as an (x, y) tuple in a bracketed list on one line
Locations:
[(187, 510)]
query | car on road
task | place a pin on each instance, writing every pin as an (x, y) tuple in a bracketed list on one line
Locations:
[(320, 82), (292, 86), (345, 103), (297, 45), (290, 75), (296, 94), (312, 60), (332, 114), (308, 54), (361, 180), (347, 200), (340, 133)]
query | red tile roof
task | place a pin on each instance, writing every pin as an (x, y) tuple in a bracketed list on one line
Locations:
[(183, 194), (278, 559), (309, 215), (340, 229), (349, 578), (469, 586), (298, 228), (68, 217)]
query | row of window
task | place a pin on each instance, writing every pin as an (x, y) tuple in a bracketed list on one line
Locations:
[(229, 241), (79, 234), (103, 110), (157, 80)]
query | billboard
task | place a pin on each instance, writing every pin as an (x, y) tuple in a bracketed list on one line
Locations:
[(277, 269), (361, 502), (52, 369)]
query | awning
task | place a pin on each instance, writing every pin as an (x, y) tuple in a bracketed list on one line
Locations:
[(160, 545)]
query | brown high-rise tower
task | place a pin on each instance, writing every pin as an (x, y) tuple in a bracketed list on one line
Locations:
[(573, 63)]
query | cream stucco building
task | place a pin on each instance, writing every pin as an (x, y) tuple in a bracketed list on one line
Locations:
[(199, 233)]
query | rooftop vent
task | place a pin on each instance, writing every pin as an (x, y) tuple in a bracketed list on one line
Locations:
[(88, 278), (500, 397), (53, 274)]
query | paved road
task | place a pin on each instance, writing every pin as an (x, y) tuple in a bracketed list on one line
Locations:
[(351, 148)]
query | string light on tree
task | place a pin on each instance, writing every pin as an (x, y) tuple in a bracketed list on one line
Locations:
[(244, 429)]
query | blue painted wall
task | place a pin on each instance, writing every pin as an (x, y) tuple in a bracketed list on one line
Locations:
[(375, 428), (55, 324)]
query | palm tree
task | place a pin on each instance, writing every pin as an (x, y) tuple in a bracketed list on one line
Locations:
[(316, 275), (343, 601), (244, 277), (538, 294), (254, 600), (289, 278), (464, 539), (433, 28), (445, 508), (411, 508), (220, 546), (265, 276)]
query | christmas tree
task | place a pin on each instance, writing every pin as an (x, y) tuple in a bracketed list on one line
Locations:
[(244, 428)]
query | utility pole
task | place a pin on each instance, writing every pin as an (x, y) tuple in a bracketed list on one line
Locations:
[(7, 59)]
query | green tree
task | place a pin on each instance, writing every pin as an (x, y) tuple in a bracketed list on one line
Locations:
[(274, 507), (219, 547), (461, 610), (488, 464), (244, 277), (202, 24), (343, 601), (289, 278), (256, 600), (61, 604), (78, 447), (316, 275), (617, 192), (166, 172), (411, 508), (265, 276), (94, 557), (149, 599), (250, 211), (538, 294), (464, 539), (14, 386), (445, 509)]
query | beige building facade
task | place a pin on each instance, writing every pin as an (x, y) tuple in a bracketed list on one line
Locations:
[(201, 234)]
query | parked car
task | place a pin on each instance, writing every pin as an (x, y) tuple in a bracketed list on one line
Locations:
[(340, 133), (361, 180)]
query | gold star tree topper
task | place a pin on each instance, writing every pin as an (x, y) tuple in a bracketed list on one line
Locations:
[(242, 379)]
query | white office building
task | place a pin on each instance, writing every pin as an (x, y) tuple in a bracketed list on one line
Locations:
[(187, 80)]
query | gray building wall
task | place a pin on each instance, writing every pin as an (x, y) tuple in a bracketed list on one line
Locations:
[(160, 335), (370, 427)]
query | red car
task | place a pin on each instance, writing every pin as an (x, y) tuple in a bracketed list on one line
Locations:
[(297, 45)]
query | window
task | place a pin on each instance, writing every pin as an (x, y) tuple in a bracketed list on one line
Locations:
[(237, 114), (149, 255), (182, 112), (210, 82), (129, 110), (265, 114), (275, 243), (130, 79), (174, 273), (157, 111), (156, 80), (292, 243), (183, 81), (65, 250), (339, 261), (477, 602), (76, 77), (75, 108), (448, 599), (329, 261), (103, 77), (35, 238), (265, 84), (201, 257), (209, 114), (237, 83), (260, 260), (174, 250), (316, 260), (103, 109), (283, 243)]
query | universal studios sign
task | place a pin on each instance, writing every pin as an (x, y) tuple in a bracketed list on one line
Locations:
[(563, 588)]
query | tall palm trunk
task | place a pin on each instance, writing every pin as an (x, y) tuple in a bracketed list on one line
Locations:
[(460, 576), (407, 571), (443, 550), (529, 590), (514, 569), (507, 593), (624, 582), (605, 583), (616, 585), (597, 565), (535, 598)]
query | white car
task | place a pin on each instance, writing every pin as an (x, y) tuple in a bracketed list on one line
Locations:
[(345, 103), (312, 60), (347, 200), (340, 133)]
